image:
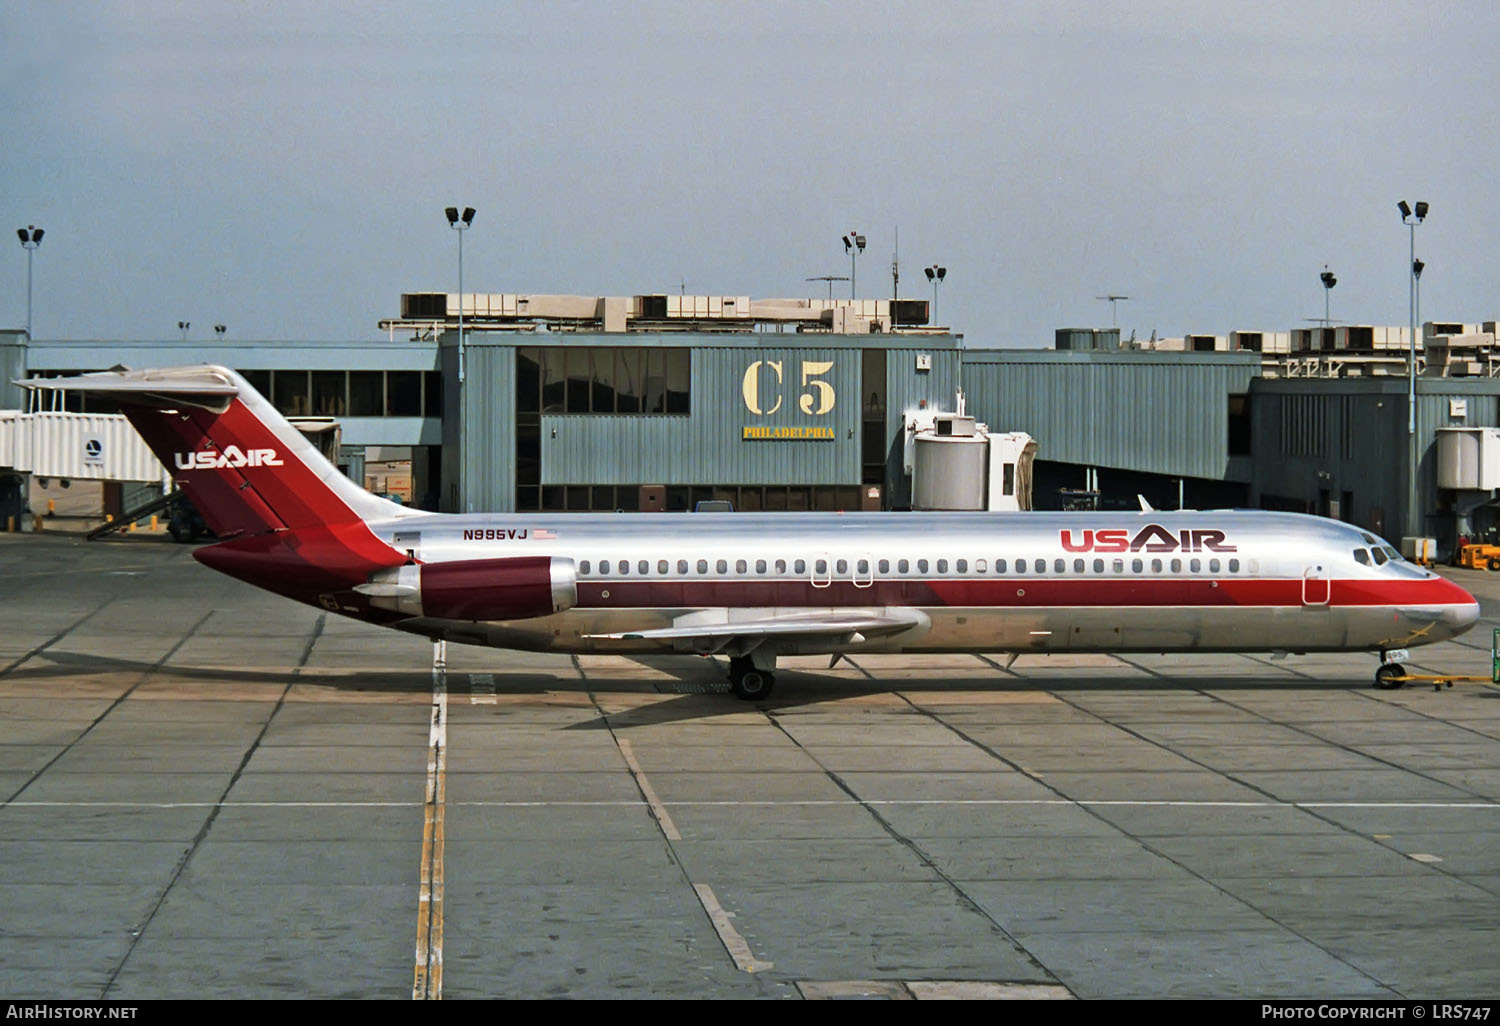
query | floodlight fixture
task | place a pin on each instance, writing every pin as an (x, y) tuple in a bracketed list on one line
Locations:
[(31, 238), (1416, 524)]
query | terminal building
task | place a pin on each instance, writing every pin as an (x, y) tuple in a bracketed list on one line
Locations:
[(579, 403)]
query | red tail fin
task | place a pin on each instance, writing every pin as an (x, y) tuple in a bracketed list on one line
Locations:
[(241, 464)]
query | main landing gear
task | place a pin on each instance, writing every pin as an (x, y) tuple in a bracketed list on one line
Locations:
[(748, 681)]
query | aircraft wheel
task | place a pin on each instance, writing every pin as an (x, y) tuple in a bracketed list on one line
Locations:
[(752, 685), (1388, 677)]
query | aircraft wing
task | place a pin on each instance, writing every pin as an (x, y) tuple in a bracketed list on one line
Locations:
[(844, 626)]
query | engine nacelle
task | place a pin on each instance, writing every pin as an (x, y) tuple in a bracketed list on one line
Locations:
[(477, 589)]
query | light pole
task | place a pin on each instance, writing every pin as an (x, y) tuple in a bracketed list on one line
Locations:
[(1411, 218), (31, 238), (854, 245), (460, 224), (935, 274), (1329, 281)]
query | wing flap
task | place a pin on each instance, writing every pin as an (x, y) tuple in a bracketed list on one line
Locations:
[(794, 626)]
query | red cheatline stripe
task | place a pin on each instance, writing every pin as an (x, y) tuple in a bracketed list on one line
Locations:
[(1019, 592)]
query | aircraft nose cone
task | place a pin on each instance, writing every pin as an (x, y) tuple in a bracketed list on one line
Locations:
[(1461, 617), (1461, 612)]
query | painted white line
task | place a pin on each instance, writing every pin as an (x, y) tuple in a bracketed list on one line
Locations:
[(427, 978), (733, 942), (657, 808)]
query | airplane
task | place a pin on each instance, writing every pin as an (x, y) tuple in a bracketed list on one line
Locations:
[(755, 588)]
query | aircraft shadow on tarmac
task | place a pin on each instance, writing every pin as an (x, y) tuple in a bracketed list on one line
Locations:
[(690, 692)]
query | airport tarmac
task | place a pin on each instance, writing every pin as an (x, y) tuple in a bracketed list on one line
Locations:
[(210, 792)]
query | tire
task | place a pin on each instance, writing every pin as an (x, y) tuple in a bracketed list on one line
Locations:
[(1387, 678), (753, 685), (1493, 564)]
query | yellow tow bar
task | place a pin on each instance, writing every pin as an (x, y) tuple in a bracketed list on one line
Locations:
[(1397, 675)]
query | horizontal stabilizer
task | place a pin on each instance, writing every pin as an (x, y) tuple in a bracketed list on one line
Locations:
[(198, 386)]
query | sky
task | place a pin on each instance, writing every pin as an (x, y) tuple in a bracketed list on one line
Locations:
[(282, 168)]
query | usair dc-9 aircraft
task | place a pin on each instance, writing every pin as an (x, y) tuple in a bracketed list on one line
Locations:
[(756, 587)]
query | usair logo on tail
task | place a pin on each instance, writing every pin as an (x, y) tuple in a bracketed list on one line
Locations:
[(233, 456)]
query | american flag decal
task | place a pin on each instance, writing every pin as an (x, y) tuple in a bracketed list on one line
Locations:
[(542, 534)]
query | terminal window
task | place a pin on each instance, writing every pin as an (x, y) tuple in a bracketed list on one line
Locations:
[(610, 380)]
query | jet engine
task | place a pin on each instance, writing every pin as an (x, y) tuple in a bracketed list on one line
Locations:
[(476, 589)]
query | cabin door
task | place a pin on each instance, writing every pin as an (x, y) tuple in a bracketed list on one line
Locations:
[(1316, 589)]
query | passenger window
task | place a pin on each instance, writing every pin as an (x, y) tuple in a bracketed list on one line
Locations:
[(799, 567), (722, 566), (643, 567), (820, 567), (1196, 566), (703, 566), (624, 567), (1135, 566), (1213, 566), (1020, 566), (781, 566), (921, 566), (1078, 566), (903, 566), (1234, 566), (885, 566), (862, 567), (760, 566), (841, 567), (1253, 566), (583, 567), (1177, 566), (1156, 566), (1362, 557), (1098, 566), (942, 566), (1059, 565), (661, 566), (682, 566), (1041, 566), (962, 566), (999, 566), (740, 566), (981, 566), (1119, 566)]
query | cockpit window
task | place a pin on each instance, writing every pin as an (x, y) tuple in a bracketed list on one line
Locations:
[(1362, 557), (1380, 557), (1370, 539), (1392, 553)]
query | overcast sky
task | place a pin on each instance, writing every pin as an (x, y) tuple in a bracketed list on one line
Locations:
[(282, 167)]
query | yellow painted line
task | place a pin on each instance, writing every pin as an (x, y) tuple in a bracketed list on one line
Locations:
[(427, 980), (733, 942), (657, 808)]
